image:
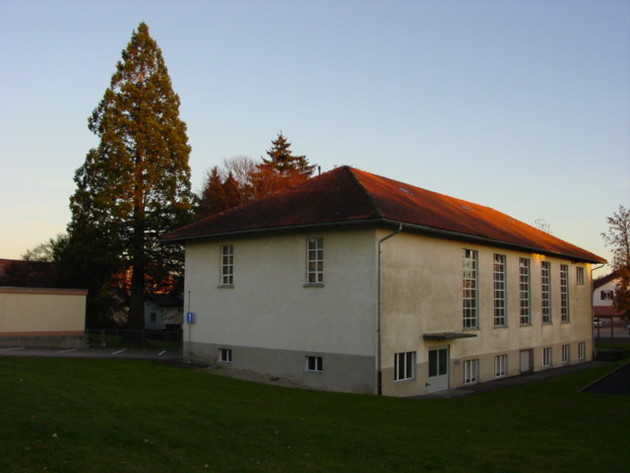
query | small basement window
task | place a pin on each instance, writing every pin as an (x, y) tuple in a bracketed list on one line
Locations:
[(314, 364), (225, 355)]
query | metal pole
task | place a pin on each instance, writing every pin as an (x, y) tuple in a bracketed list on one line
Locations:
[(189, 332)]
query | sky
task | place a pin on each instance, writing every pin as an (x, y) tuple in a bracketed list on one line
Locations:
[(522, 106)]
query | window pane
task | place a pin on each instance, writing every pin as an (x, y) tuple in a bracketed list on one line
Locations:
[(433, 363), (499, 290), (469, 289), (442, 364), (404, 366), (524, 291), (227, 265), (400, 366), (564, 293), (315, 261), (409, 365)]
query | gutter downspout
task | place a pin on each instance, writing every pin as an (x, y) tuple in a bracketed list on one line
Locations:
[(379, 366)]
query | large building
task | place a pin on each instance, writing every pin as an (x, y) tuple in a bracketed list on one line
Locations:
[(355, 282)]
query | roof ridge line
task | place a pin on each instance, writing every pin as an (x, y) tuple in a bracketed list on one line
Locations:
[(371, 198)]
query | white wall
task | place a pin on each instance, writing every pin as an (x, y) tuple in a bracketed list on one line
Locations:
[(270, 306), (597, 294)]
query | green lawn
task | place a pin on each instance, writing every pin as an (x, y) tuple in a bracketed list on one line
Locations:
[(87, 415), (618, 345)]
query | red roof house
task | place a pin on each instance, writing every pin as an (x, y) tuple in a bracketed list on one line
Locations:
[(603, 291), (348, 196), (356, 282)]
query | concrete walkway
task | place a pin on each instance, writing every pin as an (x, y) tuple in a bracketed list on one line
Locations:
[(134, 354), (617, 382), (512, 381)]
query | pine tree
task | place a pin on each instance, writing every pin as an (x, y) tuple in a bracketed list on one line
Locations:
[(282, 161), (281, 169), (136, 184), (240, 180), (212, 198), (226, 186)]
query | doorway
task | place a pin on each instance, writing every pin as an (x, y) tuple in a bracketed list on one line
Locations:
[(526, 361), (438, 370)]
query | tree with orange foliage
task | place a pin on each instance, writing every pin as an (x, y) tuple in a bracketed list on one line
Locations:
[(240, 180), (226, 186), (618, 238)]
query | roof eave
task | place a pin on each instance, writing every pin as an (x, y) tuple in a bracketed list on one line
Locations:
[(480, 239), (451, 235), (272, 229)]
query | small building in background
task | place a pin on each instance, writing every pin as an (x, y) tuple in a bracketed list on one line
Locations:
[(605, 315), (163, 312)]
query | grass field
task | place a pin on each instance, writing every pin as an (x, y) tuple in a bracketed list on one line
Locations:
[(90, 415)]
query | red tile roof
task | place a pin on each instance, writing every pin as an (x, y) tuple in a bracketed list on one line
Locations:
[(607, 311), (599, 282), (347, 195)]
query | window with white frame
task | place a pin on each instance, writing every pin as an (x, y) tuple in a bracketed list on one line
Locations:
[(564, 292), (315, 261), (225, 355), (547, 358), (498, 280), (566, 353), (471, 371), (606, 295), (524, 291), (579, 276), (545, 291), (581, 350), (500, 366), (404, 366), (227, 265), (469, 285), (314, 364)]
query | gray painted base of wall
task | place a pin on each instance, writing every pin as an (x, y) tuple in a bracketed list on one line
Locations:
[(345, 373), (50, 341)]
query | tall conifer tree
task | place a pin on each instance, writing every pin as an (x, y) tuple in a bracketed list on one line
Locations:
[(136, 184), (281, 169), (282, 161)]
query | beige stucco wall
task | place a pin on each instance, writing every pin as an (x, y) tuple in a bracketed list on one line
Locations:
[(43, 313), (422, 287)]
